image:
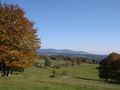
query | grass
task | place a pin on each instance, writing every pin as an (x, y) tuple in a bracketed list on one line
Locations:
[(84, 77)]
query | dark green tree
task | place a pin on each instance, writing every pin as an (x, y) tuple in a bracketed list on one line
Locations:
[(109, 68), (47, 62)]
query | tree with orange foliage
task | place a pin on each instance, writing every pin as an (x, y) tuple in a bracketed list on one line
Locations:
[(110, 67), (18, 39)]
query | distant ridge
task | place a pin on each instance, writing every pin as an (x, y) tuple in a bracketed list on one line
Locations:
[(65, 51)]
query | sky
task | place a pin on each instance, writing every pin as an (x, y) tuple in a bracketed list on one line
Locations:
[(83, 25)]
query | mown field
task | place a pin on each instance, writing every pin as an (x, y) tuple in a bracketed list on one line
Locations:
[(84, 77)]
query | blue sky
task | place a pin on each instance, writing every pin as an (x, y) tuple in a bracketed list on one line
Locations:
[(86, 25)]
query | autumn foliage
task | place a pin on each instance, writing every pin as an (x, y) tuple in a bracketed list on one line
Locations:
[(110, 68), (18, 39)]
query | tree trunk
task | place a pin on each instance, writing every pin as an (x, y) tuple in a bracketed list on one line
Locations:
[(5, 70)]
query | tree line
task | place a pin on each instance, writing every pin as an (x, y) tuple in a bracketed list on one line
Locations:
[(70, 60)]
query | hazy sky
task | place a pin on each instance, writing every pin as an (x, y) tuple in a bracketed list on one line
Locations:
[(86, 25)]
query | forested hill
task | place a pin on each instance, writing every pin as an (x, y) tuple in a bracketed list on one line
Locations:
[(57, 51), (66, 52)]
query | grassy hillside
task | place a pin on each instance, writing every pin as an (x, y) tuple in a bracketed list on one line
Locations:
[(84, 77)]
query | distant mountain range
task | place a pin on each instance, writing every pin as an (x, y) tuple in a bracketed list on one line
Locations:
[(67, 52), (58, 51)]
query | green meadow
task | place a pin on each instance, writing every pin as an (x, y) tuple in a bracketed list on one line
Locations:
[(84, 77)]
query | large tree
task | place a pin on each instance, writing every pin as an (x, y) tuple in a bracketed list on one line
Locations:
[(18, 39), (110, 67)]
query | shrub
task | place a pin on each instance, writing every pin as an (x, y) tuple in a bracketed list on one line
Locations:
[(47, 62)]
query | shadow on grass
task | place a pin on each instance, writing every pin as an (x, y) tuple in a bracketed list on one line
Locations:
[(87, 79), (111, 82)]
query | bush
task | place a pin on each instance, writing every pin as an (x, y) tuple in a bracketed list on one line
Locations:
[(53, 74), (47, 62)]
